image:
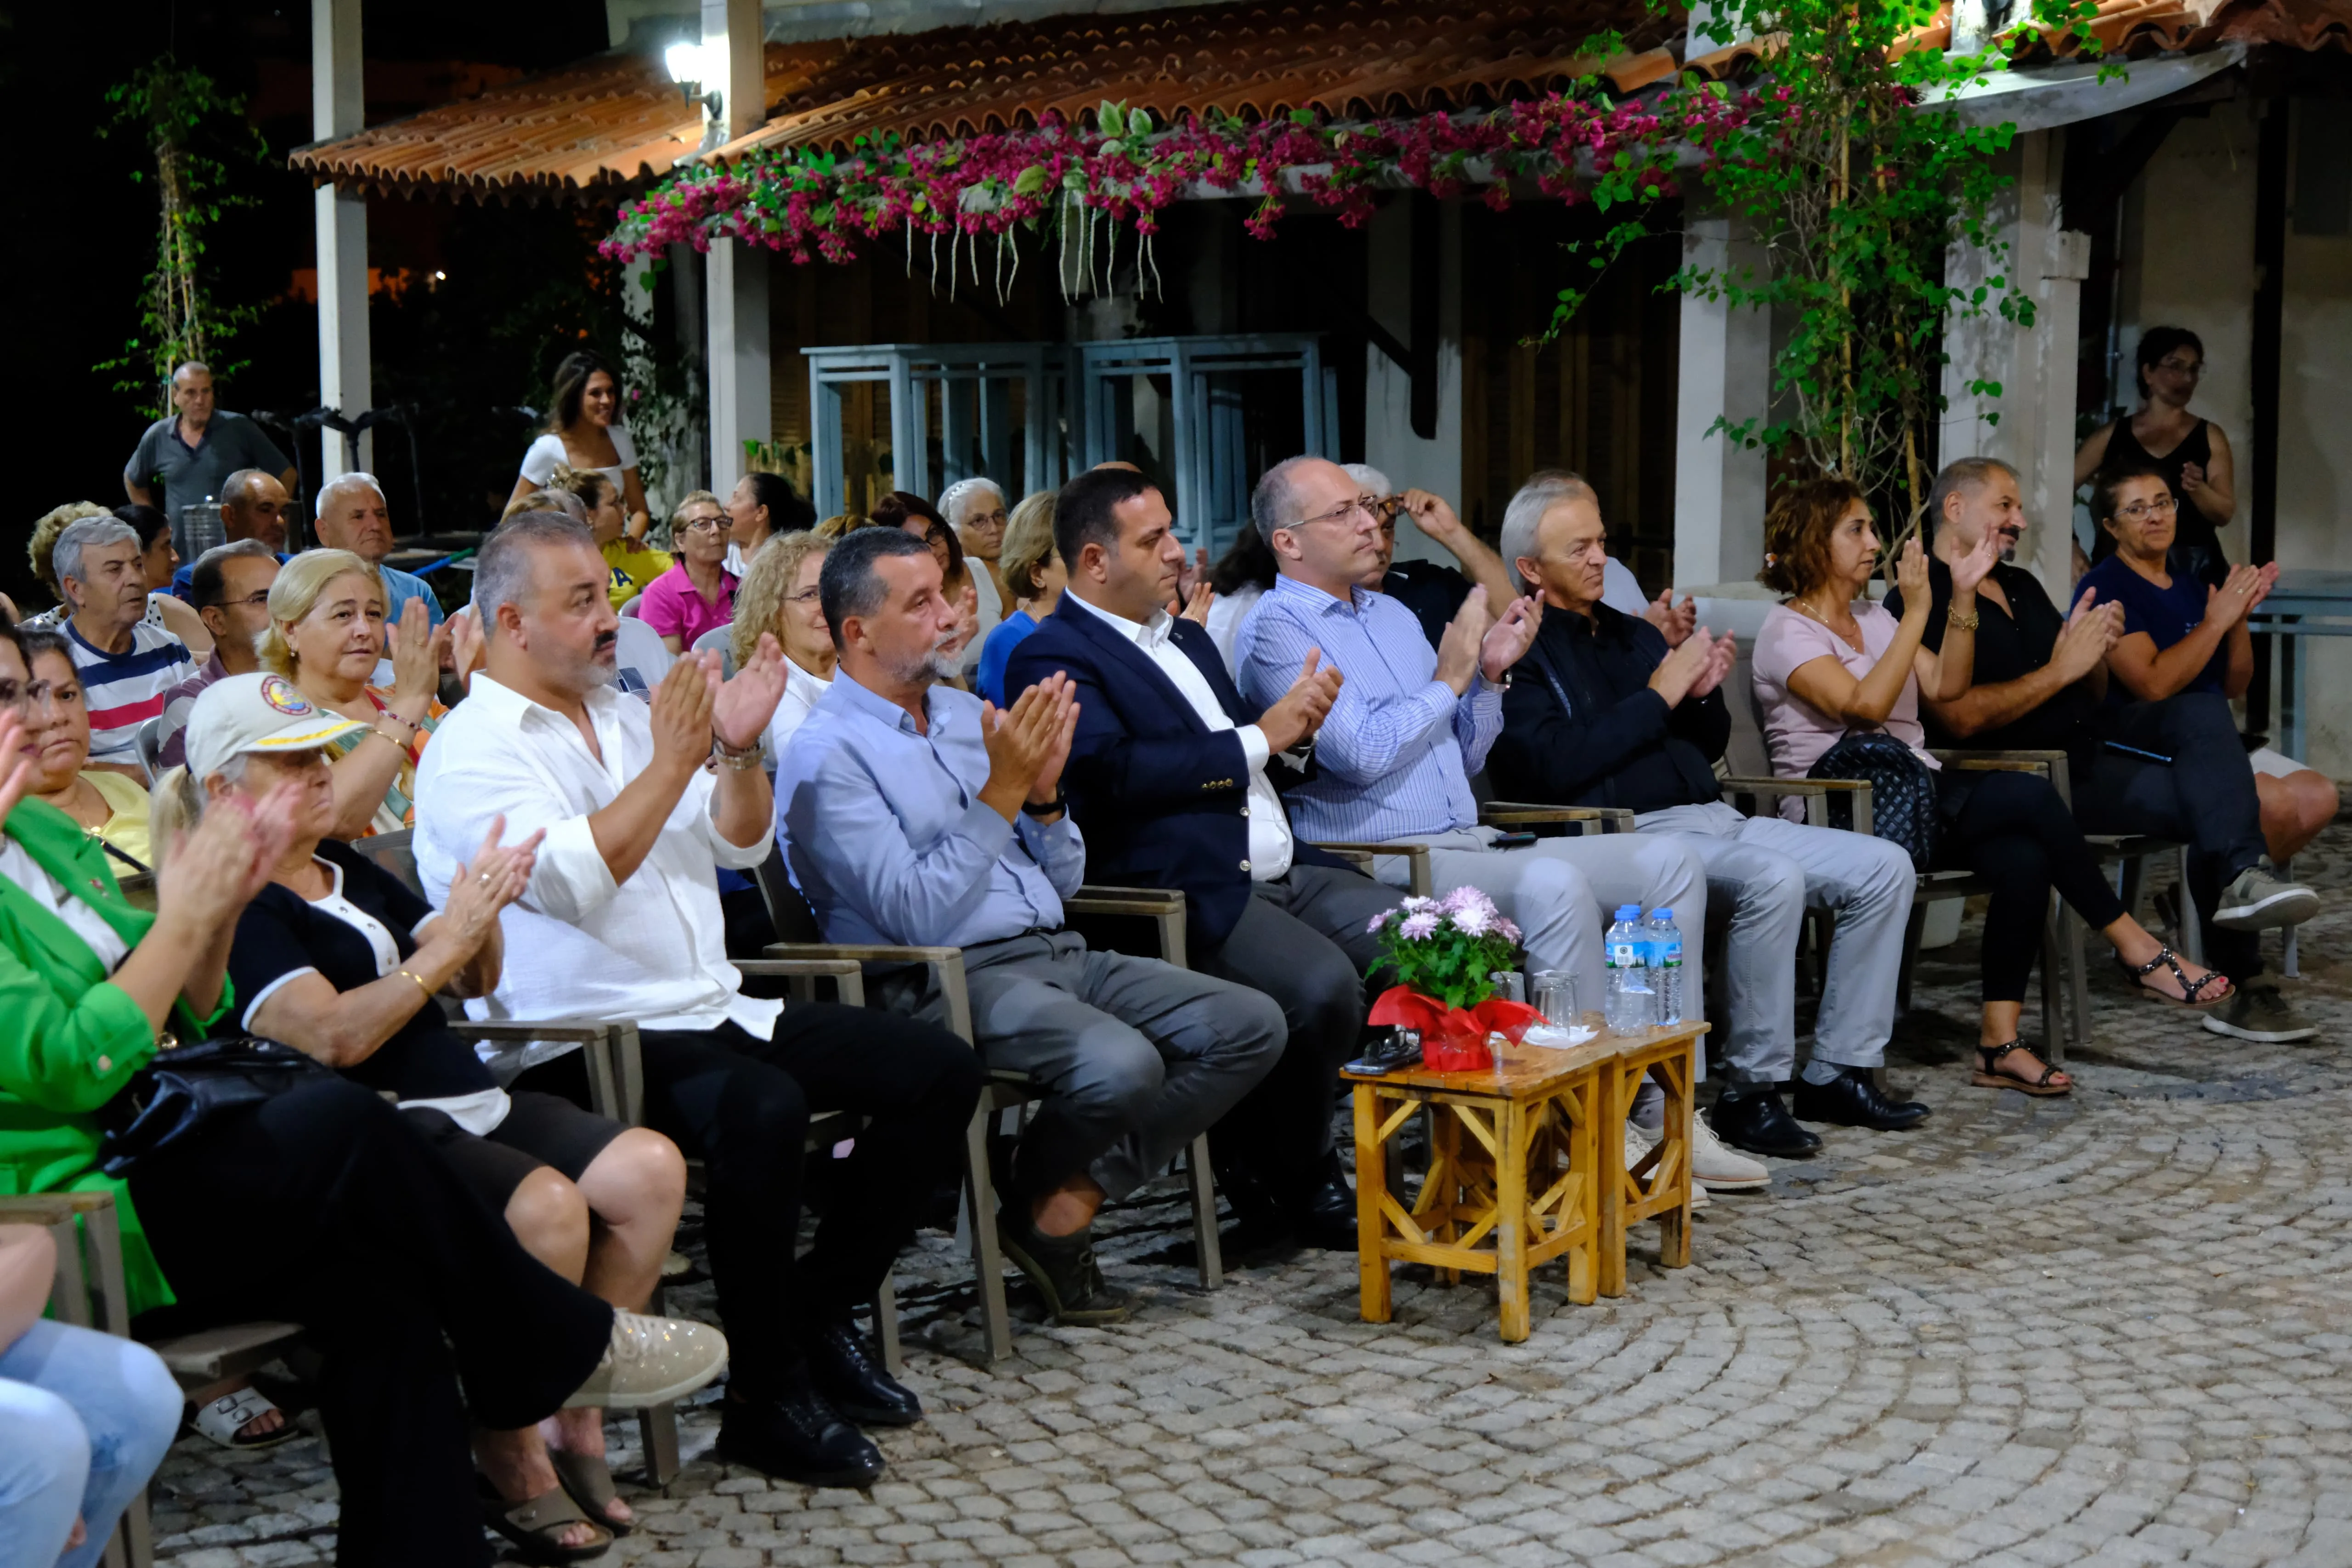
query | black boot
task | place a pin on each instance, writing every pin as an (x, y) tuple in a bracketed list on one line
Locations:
[(1760, 1124), (1064, 1271), (853, 1377), (1323, 1215), (797, 1437), (1851, 1100)]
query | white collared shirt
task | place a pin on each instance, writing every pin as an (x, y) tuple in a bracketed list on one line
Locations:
[(1269, 829), (578, 945), (801, 692)]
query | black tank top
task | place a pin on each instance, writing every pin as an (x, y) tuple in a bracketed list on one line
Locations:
[(2195, 545)]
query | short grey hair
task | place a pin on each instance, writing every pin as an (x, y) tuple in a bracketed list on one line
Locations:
[(343, 481), (951, 498), (1274, 502), (1523, 516), (848, 586), (502, 569), (186, 365), (1375, 482), (78, 537), (208, 580), (1959, 474)]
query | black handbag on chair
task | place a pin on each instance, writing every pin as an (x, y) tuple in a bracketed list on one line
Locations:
[(187, 1088), (1902, 790)]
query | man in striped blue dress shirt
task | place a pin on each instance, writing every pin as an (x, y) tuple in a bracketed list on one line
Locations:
[(1412, 723)]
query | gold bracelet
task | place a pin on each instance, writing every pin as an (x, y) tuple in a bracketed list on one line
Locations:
[(420, 984), (401, 746), (1967, 623)]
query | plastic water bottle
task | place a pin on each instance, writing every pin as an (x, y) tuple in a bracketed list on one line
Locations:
[(1666, 964), (1630, 1005)]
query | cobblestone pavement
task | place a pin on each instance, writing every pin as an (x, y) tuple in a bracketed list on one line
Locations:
[(2112, 1327)]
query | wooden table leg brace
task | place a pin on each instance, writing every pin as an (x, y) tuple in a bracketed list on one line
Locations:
[(1659, 1187)]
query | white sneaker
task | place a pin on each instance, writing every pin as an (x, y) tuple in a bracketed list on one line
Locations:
[(1638, 1145), (1716, 1164), (651, 1361)]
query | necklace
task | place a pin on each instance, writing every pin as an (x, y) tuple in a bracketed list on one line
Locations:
[(1852, 639)]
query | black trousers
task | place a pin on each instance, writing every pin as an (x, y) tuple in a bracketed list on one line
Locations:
[(2204, 797), (2012, 831), (326, 1208), (741, 1104)]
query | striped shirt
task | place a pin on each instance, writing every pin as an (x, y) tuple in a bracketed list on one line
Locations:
[(1394, 758), (124, 691)]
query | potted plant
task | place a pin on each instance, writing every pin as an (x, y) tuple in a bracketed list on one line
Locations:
[(1445, 952)]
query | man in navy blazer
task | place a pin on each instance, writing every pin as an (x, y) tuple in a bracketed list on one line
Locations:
[(1175, 781)]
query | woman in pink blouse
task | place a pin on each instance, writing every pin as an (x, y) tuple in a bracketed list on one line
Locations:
[(1829, 664)]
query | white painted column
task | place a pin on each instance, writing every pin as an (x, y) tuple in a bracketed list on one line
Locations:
[(338, 109), (733, 61), (1389, 444), (2035, 368), (740, 407), (1725, 372)]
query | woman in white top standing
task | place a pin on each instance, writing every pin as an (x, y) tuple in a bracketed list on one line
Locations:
[(779, 598), (584, 431)]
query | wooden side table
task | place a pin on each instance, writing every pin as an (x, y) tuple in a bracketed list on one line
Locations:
[(1659, 1186), (1512, 1174)]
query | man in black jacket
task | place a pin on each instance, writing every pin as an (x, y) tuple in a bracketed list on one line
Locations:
[(1603, 713), (1174, 780)]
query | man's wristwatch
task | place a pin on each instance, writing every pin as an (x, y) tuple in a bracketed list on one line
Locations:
[(732, 759), (1053, 808)]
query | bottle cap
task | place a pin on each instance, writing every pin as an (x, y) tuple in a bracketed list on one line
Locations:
[(1629, 911), (1662, 914)]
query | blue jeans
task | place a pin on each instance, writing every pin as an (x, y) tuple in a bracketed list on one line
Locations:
[(84, 1420)]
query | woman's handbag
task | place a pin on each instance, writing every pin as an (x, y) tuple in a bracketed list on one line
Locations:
[(172, 1099), (1902, 790)]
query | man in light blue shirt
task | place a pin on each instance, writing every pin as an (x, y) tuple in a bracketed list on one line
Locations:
[(1413, 723), (355, 516), (913, 813)]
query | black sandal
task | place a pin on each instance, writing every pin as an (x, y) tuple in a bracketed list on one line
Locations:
[(1986, 1077), (2188, 997)]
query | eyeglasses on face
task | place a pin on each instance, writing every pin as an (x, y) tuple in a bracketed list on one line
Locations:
[(1370, 506), (805, 597), (30, 695), (997, 517), (2193, 369), (253, 600), (702, 525), (2162, 506)]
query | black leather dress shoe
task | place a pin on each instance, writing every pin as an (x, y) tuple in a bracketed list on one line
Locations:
[(854, 1378), (1851, 1100), (1327, 1218), (1760, 1124), (798, 1437)]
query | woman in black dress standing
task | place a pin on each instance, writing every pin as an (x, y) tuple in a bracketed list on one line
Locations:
[(2192, 454)]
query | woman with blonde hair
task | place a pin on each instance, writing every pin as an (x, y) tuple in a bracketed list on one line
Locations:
[(778, 596), (633, 563), (1034, 576), (1832, 668), (326, 635)]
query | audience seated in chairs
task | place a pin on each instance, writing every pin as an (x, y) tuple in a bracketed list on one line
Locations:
[(696, 595), (229, 589), (326, 635), (621, 924), (1175, 782), (84, 1417), (912, 513), (127, 662), (1825, 670), (635, 563), (353, 514), (1605, 713), (1034, 576), (1412, 723), (2173, 768), (399, 1256), (779, 599), (109, 807), (915, 815), (336, 957), (974, 510), (760, 507)]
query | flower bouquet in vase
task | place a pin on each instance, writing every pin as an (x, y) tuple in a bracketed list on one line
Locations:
[(1445, 952)]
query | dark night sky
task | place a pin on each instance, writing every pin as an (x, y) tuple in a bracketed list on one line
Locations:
[(88, 231)]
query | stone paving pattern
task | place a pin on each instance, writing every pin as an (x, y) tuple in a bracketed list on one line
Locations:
[(2113, 1329)]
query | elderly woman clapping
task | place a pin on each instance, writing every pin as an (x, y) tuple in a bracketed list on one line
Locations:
[(340, 960)]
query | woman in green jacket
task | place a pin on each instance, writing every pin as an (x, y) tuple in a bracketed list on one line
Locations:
[(321, 1206)]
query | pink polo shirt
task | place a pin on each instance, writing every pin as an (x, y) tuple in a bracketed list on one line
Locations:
[(675, 608)]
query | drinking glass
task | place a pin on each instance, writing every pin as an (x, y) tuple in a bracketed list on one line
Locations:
[(1555, 997)]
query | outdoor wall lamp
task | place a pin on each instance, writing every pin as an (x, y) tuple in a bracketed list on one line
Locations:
[(686, 62)]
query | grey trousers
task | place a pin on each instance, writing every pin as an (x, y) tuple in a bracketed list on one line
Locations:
[(1768, 869), (1136, 1058), (1300, 939), (1560, 893)]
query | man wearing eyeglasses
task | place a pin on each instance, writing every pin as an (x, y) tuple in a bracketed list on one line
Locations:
[(1412, 723), (229, 586)]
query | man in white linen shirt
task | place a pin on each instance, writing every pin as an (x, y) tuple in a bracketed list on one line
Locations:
[(913, 813), (1394, 759), (622, 923)]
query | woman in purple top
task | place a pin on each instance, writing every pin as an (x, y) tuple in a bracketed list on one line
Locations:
[(1824, 668), (2179, 635)]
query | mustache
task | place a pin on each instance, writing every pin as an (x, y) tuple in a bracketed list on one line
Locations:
[(606, 639)]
